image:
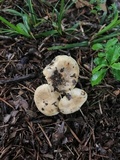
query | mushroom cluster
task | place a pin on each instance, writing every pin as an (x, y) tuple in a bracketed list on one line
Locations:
[(60, 94)]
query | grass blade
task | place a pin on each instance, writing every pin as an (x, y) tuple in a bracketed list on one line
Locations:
[(114, 22), (60, 17), (26, 22), (68, 46), (31, 10), (22, 29), (10, 25), (13, 12)]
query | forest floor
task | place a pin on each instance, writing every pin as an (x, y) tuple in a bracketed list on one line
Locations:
[(27, 134)]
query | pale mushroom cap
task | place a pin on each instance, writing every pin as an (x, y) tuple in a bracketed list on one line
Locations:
[(72, 101), (62, 73), (46, 100)]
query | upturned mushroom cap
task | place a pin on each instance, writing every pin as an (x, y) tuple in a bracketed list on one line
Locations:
[(62, 73), (72, 101), (46, 100)]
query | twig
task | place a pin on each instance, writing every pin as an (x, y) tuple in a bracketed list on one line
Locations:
[(73, 133), (50, 144), (24, 87), (5, 37), (1, 99), (19, 79), (34, 133)]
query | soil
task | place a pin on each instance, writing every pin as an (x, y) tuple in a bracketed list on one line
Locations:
[(93, 133)]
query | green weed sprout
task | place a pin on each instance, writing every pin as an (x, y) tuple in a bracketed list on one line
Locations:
[(60, 15), (29, 20), (108, 59)]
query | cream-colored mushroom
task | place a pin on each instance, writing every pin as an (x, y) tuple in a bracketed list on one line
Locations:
[(46, 100), (62, 73), (72, 101)]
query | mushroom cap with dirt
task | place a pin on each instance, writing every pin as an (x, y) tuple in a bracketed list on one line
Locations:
[(72, 101), (62, 73), (46, 100)]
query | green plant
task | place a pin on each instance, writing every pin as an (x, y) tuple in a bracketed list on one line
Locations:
[(12, 29), (107, 59), (57, 24), (29, 21), (98, 37)]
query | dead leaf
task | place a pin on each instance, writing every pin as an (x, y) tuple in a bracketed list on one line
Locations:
[(30, 113), (59, 134), (116, 92), (82, 3), (103, 6), (21, 102), (7, 118)]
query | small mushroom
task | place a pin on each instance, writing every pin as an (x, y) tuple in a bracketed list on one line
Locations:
[(46, 100), (72, 101), (62, 73)]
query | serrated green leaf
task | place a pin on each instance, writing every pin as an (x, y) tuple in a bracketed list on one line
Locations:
[(116, 66), (110, 43), (97, 46), (98, 68), (98, 77)]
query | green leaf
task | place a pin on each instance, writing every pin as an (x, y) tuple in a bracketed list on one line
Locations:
[(101, 54), (116, 66), (68, 46), (46, 33), (26, 22), (97, 46), (111, 42), (13, 12), (98, 68), (116, 54), (22, 29), (7, 23), (100, 60), (98, 77), (113, 23), (113, 54), (32, 12), (116, 74)]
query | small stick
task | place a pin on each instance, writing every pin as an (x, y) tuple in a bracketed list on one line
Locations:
[(19, 79), (1, 99), (73, 133), (50, 144)]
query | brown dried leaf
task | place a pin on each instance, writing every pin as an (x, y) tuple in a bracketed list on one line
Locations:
[(103, 6), (82, 3), (116, 92)]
